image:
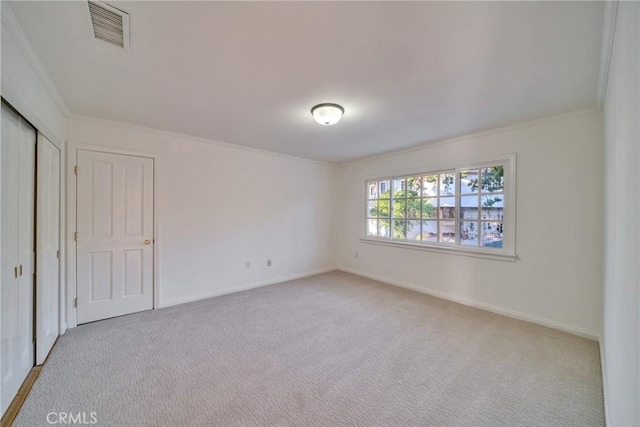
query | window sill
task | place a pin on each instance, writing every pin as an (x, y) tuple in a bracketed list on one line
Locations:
[(442, 249)]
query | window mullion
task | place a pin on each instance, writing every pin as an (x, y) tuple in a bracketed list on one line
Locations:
[(493, 174)]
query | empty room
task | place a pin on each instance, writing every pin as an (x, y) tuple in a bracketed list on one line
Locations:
[(320, 213)]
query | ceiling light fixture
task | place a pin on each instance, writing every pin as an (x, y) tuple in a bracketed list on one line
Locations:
[(327, 114)]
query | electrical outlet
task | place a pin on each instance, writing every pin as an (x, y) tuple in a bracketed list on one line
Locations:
[(268, 263), (247, 264)]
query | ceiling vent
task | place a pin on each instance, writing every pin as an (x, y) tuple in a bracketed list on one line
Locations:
[(109, 24)]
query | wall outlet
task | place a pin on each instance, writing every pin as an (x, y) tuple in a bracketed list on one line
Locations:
[(268, 263), (247, 264)]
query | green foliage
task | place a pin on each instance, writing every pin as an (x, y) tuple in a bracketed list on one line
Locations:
[(490, 201), (408, 200), (406, 204), (447, 183), (491, 180)]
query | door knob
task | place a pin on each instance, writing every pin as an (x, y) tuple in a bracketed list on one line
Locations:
[(147, 242)]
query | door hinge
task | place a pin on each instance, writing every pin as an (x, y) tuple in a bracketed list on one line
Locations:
[(75, 302), (58, 254), (75, 236), (75, 169)]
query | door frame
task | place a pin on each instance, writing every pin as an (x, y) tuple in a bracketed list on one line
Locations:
[(71, 282)]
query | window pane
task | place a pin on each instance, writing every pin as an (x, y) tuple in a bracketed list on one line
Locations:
[(372, 190), (385, 189), (430, 185), (413, 186), (469, 181), (383, 208), (493, 179), (447, 232), (372, 208), (413, 230), (492, 234), (430, 231), (413, 208), (399, 229), (399, 208), (461, 208), (372, 227), (399, 187), (430, 208), (469, 233), (447, 207), (469, 207), (447, 184), (384, 225), (492, 207)]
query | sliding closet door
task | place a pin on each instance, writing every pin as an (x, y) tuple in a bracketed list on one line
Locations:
[(26, 244), (47, 247), (17, 204), (11, 377)]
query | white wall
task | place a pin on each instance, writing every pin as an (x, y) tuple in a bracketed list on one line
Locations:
[(557, 278), (621, 321), (24, 84), (219, 206)]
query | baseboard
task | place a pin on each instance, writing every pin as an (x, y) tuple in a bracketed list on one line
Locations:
[(586, 333), (18, 400), (241, 288), (604, 380)]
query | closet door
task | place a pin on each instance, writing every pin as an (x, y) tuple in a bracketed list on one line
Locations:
[(11, 379), (47, 247), (26, 245), (17, 204)]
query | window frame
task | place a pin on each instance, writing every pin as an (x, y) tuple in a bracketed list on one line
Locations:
[(508, 250)]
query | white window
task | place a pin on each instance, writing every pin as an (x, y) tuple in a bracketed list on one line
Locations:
[(469, 209)]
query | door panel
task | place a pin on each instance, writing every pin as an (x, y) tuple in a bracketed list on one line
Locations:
[(47, 245), (26, 245), (133, 272), (17, 204), (9, 333), (115, 219)]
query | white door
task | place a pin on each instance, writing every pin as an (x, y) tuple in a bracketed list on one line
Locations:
[(115, 235), (17, 202), (47, 247)]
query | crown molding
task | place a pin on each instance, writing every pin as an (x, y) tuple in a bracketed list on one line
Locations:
[(474, 135), (10, 22), (192, 138), (608, 35)]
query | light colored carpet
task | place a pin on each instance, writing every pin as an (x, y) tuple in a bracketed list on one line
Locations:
[(333, 349)]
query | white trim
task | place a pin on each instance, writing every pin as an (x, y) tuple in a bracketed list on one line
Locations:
[(452, 250), (608, 35), (473, 135), (33, 115), (192, 138), (13, 26), (253, 285), (481, 305), (603, 367), (71, 283)]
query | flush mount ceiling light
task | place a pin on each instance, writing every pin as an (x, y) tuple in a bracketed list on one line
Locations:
[(327, 114)]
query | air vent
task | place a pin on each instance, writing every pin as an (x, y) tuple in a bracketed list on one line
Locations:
[(109, 24)]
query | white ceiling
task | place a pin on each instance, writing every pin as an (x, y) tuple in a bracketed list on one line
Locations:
[(407, 73)]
